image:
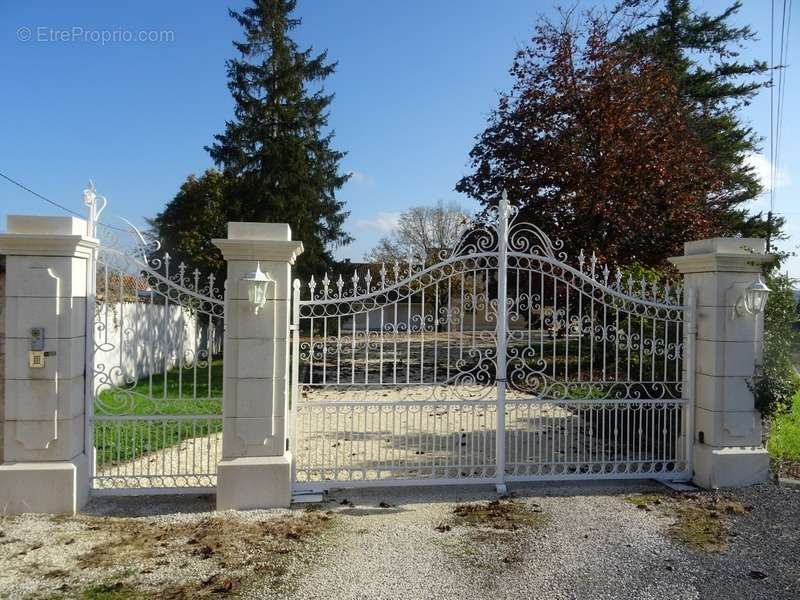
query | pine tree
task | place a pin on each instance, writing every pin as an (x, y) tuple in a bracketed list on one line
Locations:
[(702, 53), (198, 214), (275, 150)]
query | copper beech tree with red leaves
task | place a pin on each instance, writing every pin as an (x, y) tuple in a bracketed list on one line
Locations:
[(592, 144)]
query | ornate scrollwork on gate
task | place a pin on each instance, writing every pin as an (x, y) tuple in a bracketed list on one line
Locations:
[(157, 372), (592, 363)]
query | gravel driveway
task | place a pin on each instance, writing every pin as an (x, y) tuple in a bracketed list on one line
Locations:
[(594, 544), (591, 546), (590, 540)]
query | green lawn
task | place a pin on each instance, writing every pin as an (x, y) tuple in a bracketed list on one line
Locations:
[(784, 439), (188, 392), (181, 397)]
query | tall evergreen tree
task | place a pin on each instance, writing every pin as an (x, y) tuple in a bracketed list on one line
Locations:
[(275, 150), (702, 53), (277, 163)]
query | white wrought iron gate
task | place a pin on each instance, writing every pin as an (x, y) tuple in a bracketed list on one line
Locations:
[(499, 362), (154, 423)]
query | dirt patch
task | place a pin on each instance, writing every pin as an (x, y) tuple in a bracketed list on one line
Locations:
[(227, 538), (490, 534), (506, 515), (703, 522), (210, 556)]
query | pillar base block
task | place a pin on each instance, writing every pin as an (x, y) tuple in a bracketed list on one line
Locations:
[(254, 482), (44, 487), (729, 467)]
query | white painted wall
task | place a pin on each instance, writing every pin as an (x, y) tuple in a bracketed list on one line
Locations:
[(135, 339)]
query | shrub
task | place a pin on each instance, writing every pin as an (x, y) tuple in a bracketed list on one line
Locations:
[(776, 381)]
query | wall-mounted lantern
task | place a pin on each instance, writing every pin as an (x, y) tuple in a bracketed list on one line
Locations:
[(752, 299), (257, 284)]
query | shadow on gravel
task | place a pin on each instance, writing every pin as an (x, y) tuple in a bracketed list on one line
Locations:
[(366, 511), (147, 506), (377, 501), (406, 496)]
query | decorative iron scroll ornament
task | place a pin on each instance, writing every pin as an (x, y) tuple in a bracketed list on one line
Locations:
[(478, 241), (134, 286), (96, 204)]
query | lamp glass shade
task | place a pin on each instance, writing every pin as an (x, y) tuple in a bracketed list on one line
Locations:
[(756, 296), (257, 293), (257, 282)]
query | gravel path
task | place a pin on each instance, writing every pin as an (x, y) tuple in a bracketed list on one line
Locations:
[(589, 540), (191, 463), (398, 553), (595, 544)]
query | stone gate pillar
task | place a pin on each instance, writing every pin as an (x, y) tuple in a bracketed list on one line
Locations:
[(728, 450), (45, 467), (255, 471)]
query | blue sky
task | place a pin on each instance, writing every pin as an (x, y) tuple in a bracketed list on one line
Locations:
[(415, 83)]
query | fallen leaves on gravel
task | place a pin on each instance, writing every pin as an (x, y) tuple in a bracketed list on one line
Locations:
[(162, 558), (230, 538)]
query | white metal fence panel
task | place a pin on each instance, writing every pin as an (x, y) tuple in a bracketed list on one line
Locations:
[(155, 423), (498, 362)]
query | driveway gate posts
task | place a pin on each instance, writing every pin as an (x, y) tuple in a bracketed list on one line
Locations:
[(47, 261), (255, 471), (728, 450)]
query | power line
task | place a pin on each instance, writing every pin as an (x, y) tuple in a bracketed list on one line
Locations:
[(38, 195), (786, 19), (53, 202), (776, 106), (771, 120), (771, 101)]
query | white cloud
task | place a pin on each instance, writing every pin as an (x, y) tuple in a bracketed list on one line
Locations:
[(382, 222), (763, 170), (359, 178)]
